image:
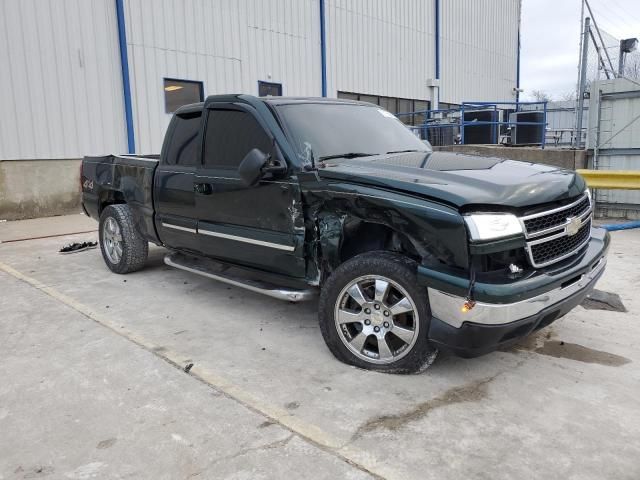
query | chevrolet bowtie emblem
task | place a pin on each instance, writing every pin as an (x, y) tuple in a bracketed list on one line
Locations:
[(573, 225)]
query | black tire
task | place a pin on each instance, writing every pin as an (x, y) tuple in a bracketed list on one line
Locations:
[(400, 270), (134, 248)]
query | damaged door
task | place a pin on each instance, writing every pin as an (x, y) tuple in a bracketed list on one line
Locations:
[(259, 226)]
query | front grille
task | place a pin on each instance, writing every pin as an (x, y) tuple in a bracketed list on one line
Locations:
[(554, 250), (557, 218), (547, 233)]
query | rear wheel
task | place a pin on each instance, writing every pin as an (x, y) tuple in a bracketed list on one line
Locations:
[(124, 250), (374, 315)]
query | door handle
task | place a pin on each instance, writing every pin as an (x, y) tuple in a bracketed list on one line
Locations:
[(203, 188)]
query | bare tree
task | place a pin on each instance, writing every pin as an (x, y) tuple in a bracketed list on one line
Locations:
[(568, 96), (540, 96), (632, 67)]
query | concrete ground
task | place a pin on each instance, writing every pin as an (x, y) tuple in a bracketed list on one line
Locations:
[(94, 383)]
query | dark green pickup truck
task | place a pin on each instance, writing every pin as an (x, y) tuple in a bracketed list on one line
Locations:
[(410, 251)]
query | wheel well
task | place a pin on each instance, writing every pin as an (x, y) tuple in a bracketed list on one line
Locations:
[(360, 237), (110, 197)]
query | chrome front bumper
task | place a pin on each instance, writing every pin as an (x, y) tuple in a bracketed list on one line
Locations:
[(448, 308)]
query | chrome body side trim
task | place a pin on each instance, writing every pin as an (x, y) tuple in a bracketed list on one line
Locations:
[(178, 227), (279, 246), (447, 307), (252, 241), (289, 295)]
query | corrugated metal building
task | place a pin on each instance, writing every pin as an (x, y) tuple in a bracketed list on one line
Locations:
[(82, 77), (614, 140), (61, 83)]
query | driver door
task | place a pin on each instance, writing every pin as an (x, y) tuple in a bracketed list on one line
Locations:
[(260, 226)]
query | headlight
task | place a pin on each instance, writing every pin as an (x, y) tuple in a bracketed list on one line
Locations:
[(487, 226)]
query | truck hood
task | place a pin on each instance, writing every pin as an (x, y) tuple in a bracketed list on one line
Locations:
[(459, 179)]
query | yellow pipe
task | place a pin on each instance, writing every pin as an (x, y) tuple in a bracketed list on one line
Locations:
[(612, 179)]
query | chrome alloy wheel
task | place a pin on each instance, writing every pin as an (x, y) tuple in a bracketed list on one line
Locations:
[(376, 319), (112, 240)]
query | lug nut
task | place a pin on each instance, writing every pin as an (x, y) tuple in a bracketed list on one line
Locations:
[(376, 306), (386, 313), (386, 324), (367, 311), (376, 329), (367, 322)]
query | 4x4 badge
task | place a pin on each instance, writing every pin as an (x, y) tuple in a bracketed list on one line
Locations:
[(573, 225)]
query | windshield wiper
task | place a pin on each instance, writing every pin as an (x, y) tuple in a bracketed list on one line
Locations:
[(348, 155), (405, 151)]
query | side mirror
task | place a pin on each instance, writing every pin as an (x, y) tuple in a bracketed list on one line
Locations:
[(250, 169)]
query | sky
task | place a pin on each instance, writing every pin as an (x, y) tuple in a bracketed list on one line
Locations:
[(550, 36)]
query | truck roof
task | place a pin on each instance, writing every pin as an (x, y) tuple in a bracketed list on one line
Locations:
[(194, 107), (296, 100)]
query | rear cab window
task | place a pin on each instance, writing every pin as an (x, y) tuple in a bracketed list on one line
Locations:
[(184, 142)]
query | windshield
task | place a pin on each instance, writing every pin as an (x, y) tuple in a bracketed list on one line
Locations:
[(330, 130)]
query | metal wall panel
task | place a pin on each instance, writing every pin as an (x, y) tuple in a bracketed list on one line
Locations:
[(60, 79), (63, 90), (380, 47), (229, 45), (479, 50), (615, 121)]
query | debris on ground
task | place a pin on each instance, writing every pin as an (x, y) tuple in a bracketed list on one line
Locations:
[(599, 300), (78, 247)]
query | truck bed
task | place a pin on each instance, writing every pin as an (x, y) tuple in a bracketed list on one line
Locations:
[(127, 179)]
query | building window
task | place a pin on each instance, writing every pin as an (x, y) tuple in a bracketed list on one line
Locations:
[(404, 107), (268, 89), (389, 104), (181, 92)]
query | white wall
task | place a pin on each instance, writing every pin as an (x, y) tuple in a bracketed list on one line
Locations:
[(380, 47), (377, 47), (478, 56), (383, 47), (60, 79), (227, 44)]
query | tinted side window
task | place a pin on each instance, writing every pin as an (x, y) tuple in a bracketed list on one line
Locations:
[(231, 134), (184, 143)]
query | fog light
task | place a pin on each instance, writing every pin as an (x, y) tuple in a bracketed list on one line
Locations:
[(513, 268)]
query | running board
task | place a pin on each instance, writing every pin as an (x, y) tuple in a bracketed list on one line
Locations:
[(223, 273)]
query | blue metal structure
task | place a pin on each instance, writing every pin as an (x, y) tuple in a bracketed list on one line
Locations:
[(430, 123), (437, 20), (323, 49), (126, 86), (518, 69)]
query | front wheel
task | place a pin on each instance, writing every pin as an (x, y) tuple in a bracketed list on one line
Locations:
[(374, 315)]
